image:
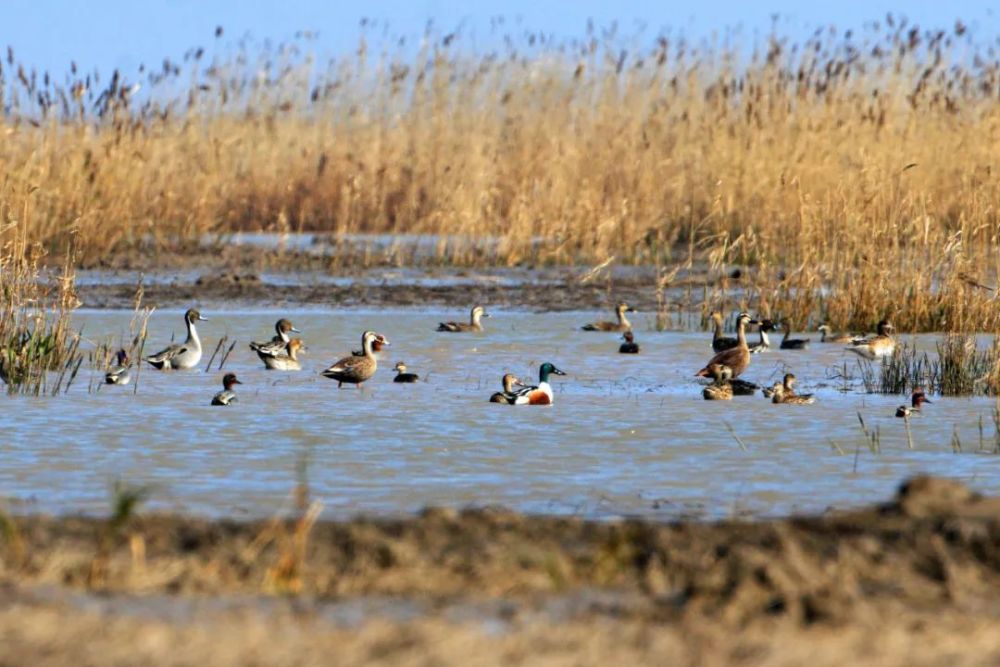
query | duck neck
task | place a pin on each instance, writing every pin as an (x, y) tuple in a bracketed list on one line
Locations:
[(192, 338), (283, 335), (622, 320), (718, 328), (366, 346), (741, 334), (475, 317), (543, 376), (764, 341)]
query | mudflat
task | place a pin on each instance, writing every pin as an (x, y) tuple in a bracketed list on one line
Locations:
[(913, 581)]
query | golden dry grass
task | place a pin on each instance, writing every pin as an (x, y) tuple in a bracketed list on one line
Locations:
[(852, 174)]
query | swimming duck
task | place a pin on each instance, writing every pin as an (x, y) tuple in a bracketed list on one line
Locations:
[(621, 325), (356, 370), (719, 341), (880, 345), (629, 346), (508, 395), (402, 375), (782, 396), (785, 392), (764, 343), (542, 394), (770, 391), (916, 401), (289, 361), (792, 343), (827, 335), (474, 323), (227, 396), (720, 389), (181, 355), (277, 345), (119, 373), (737, 358)]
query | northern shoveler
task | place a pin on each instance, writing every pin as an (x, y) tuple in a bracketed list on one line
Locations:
[(181, 355), (764, 343), (542, 394)]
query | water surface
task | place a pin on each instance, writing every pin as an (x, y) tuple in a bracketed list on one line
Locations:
[(628, 435)]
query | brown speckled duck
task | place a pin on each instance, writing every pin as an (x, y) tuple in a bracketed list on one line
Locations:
[(507, 396), (720, 389), (737, 358), (474, 323), (289, 361), (356, 370), (622, 323), (785, 393)]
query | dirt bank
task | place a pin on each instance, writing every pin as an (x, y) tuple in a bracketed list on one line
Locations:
[(914, 581)]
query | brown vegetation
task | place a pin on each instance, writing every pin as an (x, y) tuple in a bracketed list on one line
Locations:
[(850, 175)]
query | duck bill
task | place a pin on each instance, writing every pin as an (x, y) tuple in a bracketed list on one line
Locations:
[(556, 371), (203, 319), (294, 330), (383, 341)]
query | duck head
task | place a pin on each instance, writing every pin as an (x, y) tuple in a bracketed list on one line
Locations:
[(193, 316), (285, 326), (628, 337), (884, 327), (400, 367), (478, 313), (623, 307), (548, 369), (122, 357), (918, 398), (229, 380)]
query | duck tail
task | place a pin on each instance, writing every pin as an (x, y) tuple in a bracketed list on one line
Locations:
[(703, 373)]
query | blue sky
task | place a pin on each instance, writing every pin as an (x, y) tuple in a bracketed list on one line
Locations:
[(48, 34)]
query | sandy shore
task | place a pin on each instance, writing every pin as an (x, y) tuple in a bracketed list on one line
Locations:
[(915, 581)]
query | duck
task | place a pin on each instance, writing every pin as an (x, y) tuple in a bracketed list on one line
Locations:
[(289, 360), (277, 345), (356, 370), (622, 323), (721, 389), (737, 358), (881, 344), (764, 343), (227, 396), (785, 392), (541, 394), (181, 355), (474, 323), (770, 391), (917, 399), (827, 335), (629, 346), (376, 348), (719, 341), (792, 343), (119, 373), (508, 396), (402, 375)]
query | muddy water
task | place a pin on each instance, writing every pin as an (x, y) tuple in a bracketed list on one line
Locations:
[(628, 435)]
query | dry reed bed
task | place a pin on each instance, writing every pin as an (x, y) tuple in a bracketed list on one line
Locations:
[(852, 173)]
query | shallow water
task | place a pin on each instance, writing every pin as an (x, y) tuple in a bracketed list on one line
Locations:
[(628, 435)]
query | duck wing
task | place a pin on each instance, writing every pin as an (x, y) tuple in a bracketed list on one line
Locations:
[(272, 348), (449, 326), (165, 355)]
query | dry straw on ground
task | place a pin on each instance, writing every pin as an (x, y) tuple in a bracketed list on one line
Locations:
[(850, 173)]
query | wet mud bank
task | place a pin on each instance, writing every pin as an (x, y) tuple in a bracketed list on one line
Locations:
[(426, 589)]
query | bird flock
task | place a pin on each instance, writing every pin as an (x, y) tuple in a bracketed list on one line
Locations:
[(731, 359)]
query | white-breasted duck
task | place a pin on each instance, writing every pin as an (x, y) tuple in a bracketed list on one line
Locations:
[(541, 394), (181, 355), (765, 327), (119, 373), (227, 396)]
